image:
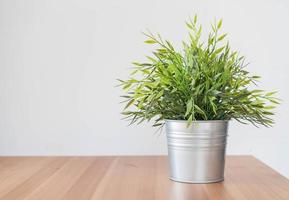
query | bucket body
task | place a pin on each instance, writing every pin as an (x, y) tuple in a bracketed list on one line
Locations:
[(196, 152)]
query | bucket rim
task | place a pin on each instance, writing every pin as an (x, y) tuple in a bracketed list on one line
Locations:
[(198, 121)]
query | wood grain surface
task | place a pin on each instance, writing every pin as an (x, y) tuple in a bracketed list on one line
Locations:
[(131, 178)]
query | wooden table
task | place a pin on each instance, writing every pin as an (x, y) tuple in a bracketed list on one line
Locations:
[(131, 178)]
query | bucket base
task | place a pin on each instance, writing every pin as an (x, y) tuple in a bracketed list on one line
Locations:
[(197, 182)]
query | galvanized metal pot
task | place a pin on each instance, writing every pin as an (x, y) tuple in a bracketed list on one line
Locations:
[(196, 153)]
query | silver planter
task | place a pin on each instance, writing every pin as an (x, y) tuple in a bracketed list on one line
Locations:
[(197, 153)]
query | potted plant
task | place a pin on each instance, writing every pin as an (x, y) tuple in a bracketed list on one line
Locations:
[(194, 93)]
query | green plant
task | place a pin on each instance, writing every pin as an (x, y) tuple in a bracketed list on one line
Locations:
[(205, 81)]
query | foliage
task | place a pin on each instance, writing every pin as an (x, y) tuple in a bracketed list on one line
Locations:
[(205, 81)]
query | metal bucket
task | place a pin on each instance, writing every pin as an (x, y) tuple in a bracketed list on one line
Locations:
[(197, 153)]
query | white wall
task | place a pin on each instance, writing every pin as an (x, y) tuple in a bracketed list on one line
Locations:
[(59, 60)]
